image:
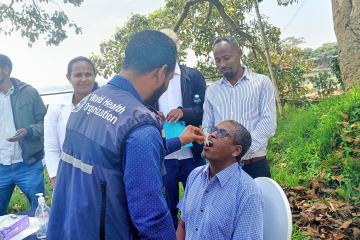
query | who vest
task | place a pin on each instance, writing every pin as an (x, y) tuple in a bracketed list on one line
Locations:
[(95, 205)]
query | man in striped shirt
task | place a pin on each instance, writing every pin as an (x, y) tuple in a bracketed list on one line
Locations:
[(243, 96)]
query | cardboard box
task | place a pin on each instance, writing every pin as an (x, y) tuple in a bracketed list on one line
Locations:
[(12, 224)]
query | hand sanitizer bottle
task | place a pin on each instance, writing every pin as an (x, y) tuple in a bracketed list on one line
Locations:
[(42, 216)]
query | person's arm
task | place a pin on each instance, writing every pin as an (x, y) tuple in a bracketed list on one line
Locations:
[(208, 119), (266, 126), (194, 114), (36, 130), (249, 224), (52, 146), (143, 184), (181, 232)]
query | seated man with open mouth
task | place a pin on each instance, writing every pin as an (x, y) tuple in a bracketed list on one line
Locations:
[(221, 201)]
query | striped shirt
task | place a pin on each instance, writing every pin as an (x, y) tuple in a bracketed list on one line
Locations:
[(251, 102), (228, 207)]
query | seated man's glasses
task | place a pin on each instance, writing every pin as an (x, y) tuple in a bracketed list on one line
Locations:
[(221, 133)]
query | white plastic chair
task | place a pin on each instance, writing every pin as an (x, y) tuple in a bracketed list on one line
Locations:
[(277, 213)]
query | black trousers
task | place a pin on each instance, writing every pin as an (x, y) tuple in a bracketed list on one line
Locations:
[(258, 169)]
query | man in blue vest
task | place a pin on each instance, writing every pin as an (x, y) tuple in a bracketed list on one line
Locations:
[(109, 182)]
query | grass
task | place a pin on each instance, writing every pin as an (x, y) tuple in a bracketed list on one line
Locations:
[(304, 145), (19, 202)]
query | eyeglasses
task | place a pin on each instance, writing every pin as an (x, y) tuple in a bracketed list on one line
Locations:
[(221, 133)]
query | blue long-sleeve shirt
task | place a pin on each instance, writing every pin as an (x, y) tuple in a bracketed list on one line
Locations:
[(143, 183), (143, 171)]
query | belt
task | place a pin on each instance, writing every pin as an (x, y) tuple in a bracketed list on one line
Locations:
[(252, 160)]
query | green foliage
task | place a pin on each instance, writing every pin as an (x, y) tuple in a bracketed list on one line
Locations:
[(197, 32), (346, 142), (322, 55), (324, 83), (326, 51), (293, 41), (297, 234), (305, 144), (32, 21), (290, 68), (286, 2), (335, 69)]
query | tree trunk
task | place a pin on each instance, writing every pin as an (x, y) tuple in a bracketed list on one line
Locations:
[(268, 60), (346, 17)]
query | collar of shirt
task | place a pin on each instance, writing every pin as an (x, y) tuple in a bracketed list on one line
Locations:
[(245, 76), (224, 175), (9, 92), (177, 69), (125, 85), (68, 100)]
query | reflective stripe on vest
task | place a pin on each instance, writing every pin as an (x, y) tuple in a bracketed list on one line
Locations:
[(76, 163)]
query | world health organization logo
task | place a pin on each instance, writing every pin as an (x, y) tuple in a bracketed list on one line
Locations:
[(81, 103)]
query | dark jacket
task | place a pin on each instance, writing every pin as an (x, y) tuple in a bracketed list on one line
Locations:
[(192, 83), (28, 112)]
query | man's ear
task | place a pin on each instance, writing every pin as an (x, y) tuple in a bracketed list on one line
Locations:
[(237, 151), (162, 72), (159, 74), (68, 77)]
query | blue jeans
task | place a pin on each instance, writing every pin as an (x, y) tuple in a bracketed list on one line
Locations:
[(177, 171), (29, 178)]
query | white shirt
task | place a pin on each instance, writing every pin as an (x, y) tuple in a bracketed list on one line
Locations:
[(54, 132), (10, 152), (172, 99)]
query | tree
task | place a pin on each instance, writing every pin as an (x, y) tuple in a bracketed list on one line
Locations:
[(290, 69), (201, 23), (346, 16), (294, 41), (32, 21), (268, 60), (322, 55)]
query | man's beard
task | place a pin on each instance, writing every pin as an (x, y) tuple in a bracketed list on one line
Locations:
[(156, 95), (228, 74), (2, 80)]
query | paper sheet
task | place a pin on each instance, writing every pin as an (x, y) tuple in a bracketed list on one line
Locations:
[(174, 129)]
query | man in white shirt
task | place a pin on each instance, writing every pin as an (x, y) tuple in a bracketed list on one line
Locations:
[(182, 102)]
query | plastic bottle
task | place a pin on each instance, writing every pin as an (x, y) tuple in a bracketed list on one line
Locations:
[(197, 99), (42, 216)]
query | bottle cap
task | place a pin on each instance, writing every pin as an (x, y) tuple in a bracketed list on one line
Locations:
[(41, 199)]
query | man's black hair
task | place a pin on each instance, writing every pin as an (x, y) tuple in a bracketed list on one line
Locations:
[(241, 137), (148, 50), (5, 62), (79, 59), (231, 40)]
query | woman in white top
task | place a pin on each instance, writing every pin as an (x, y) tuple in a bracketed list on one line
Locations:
[(81, 74)]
